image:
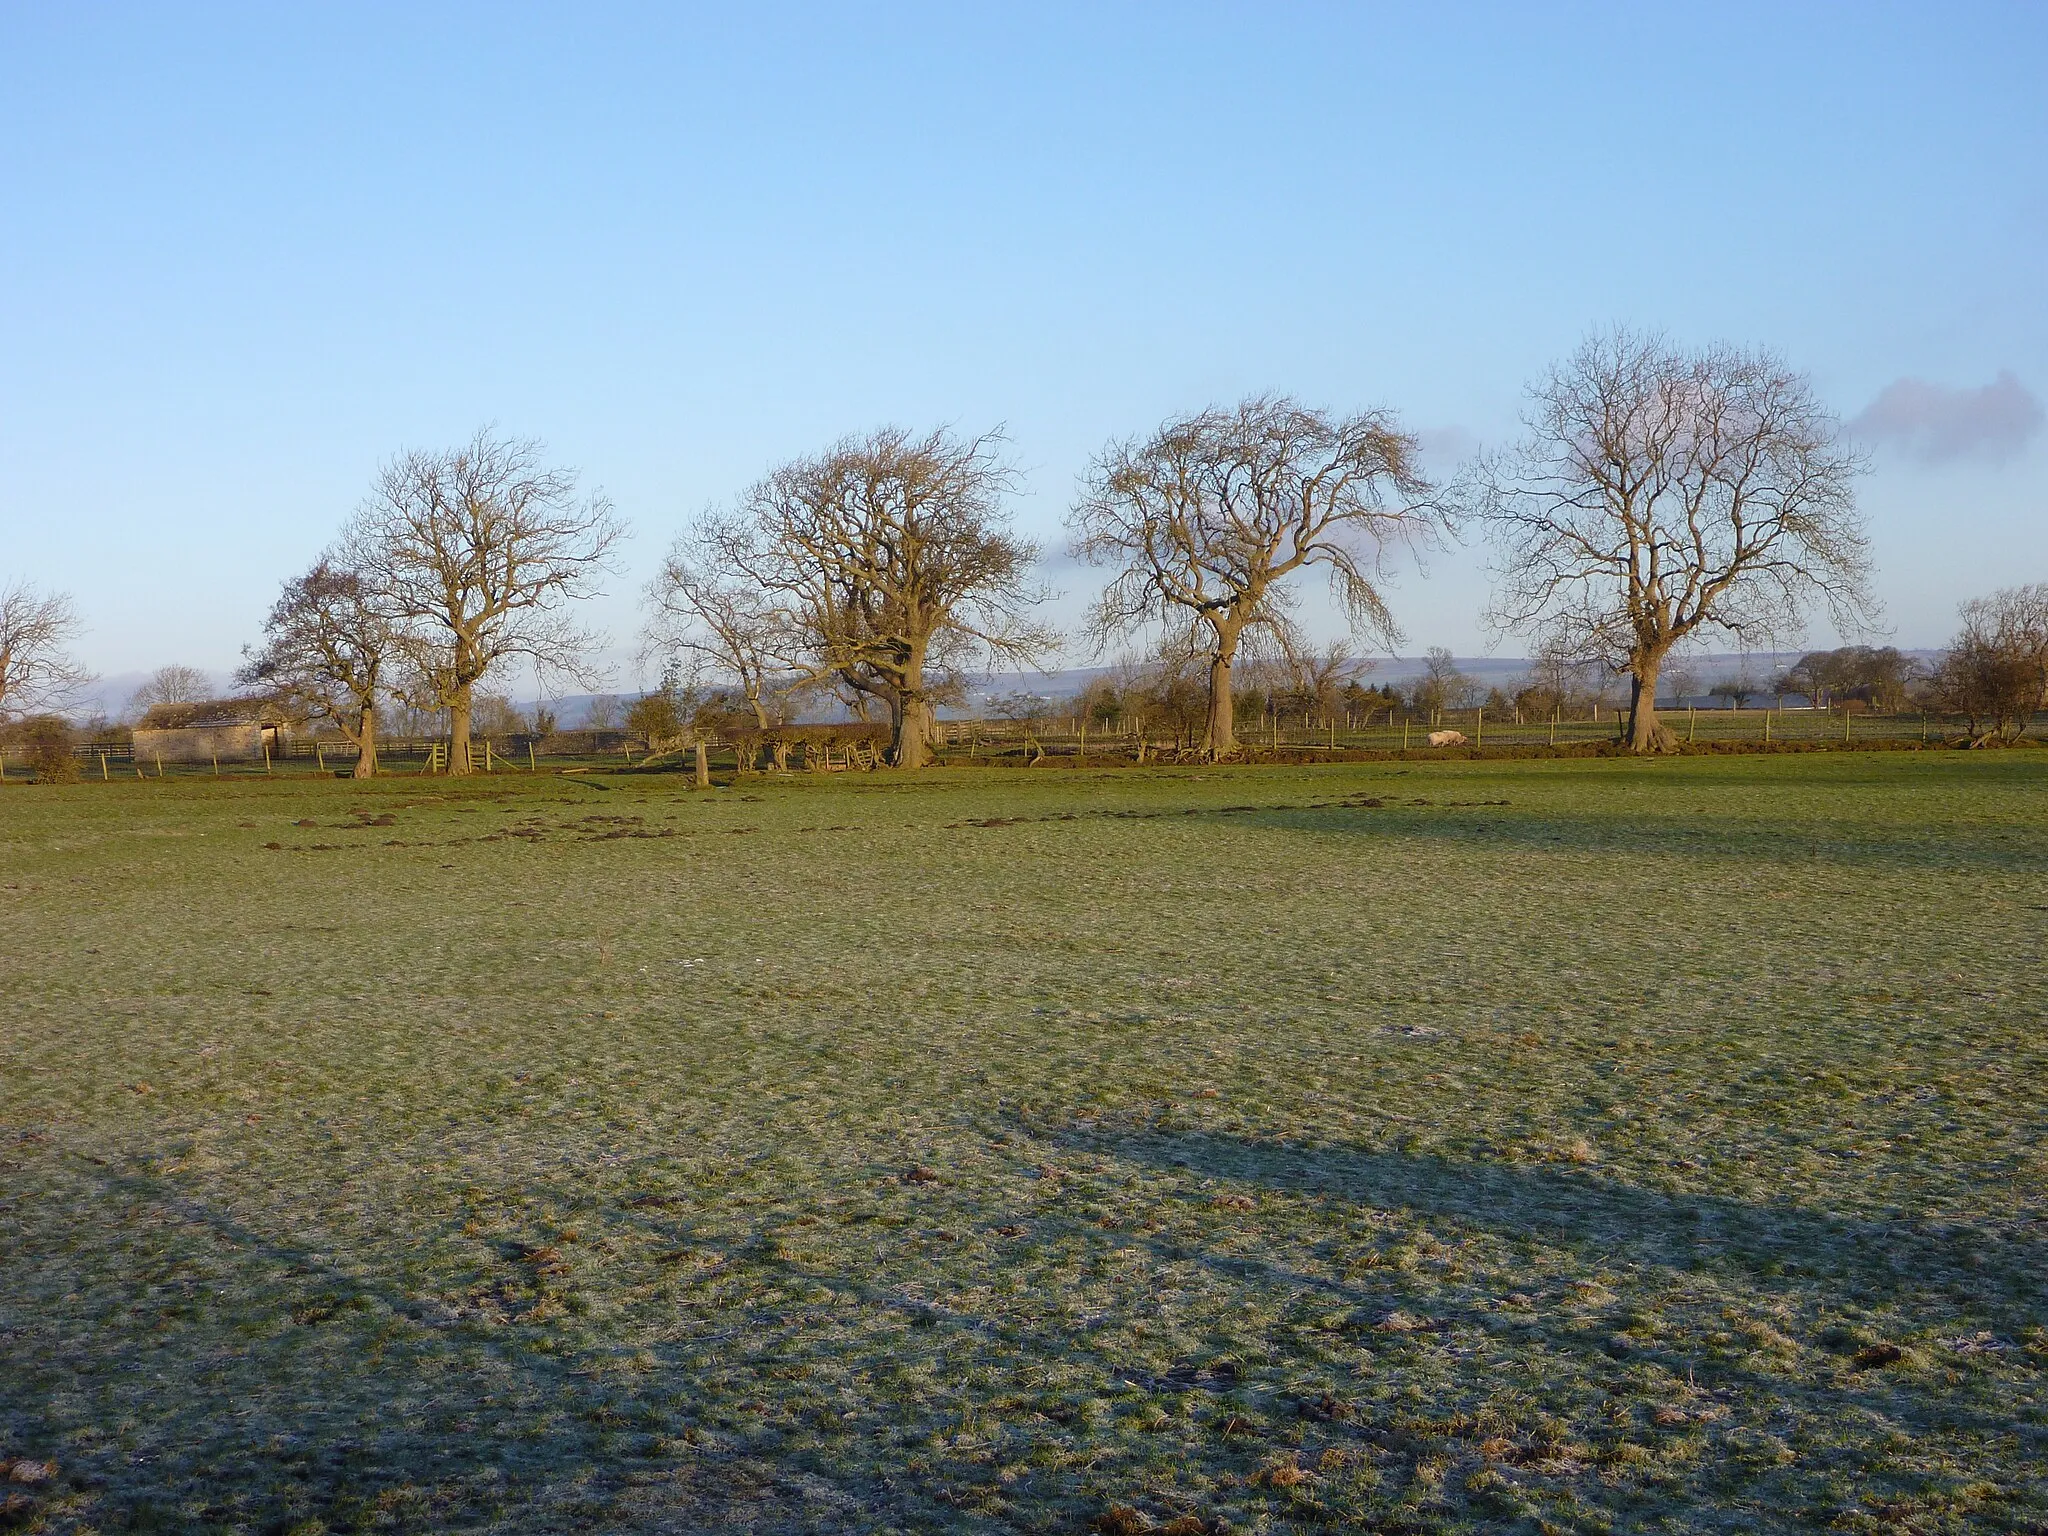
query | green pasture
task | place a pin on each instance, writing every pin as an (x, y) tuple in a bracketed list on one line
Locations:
[(1528, 1146)]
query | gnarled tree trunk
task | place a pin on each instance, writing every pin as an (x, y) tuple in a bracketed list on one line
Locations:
[(910, 713), (458, 733), (1646, 733), (366, 744), (911, 718), (1220, 740)]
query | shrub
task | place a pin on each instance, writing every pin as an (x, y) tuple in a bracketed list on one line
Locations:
[(48, 742)]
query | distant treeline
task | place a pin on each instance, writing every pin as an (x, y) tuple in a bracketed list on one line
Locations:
[(1661, 497)]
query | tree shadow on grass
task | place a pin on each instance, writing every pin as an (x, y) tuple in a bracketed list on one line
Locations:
[(1989, 850), (415, 1415), (591, 1461), (1907, 1261)]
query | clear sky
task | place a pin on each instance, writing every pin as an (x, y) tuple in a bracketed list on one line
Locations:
[(246, 254)]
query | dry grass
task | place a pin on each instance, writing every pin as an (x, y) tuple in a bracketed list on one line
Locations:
[(1569, 1146)]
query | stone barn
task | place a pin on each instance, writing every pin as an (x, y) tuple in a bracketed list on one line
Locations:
[(221, 730)]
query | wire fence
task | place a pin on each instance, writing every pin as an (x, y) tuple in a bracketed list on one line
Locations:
[(1399, 731), (983, 741), (424, 754)]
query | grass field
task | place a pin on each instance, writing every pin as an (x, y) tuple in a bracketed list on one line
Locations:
[(1563, 1146)]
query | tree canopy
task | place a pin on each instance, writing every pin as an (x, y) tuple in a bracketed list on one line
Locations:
[(1661, 493), (1203, 524)]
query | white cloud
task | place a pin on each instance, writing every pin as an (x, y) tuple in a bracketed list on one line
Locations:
[(1939, 425)]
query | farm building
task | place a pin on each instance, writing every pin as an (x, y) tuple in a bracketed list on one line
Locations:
[(215, 730)]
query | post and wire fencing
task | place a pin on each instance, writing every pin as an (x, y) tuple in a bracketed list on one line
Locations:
[(1056, 739), (1399, 730)]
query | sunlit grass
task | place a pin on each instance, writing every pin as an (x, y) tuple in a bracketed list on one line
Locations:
[(1420, 1146)]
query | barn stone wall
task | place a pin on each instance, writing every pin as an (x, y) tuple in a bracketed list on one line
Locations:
[(200, 744)]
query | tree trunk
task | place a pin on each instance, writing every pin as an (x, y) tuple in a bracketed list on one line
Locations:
[(1645, 732), (913, 725), (1221, 739), (366, 744), (458, 733)]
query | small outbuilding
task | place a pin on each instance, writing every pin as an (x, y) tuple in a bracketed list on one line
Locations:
[(215, 730)]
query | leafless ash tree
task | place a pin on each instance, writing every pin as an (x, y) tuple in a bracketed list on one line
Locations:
[(174, 684), (1443, 685), (1205, 521), (1995, 672), (887, 562), (1661, 493), (1313, 681), (324, 654), (2016, 619), (703, 613), (474, 555), (37, 674)]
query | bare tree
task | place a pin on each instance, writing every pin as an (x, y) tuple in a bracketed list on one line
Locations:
[(37, 673), (1874, 675), (885, 563), (1205, 521), (1029, 712), (2015, 621), (1555, 684), (474, 554), (1995, 671), (1681, 678), (1440, 685), (1313, 685), (1659, 494), (171, 685), (494, 714), (701, 607), (325, 650), (666, 718), (1738, 688)]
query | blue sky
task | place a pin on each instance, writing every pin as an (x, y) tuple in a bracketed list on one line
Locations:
[(246, 254)]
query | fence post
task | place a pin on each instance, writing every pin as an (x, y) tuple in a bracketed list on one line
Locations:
[(320, 756), (266, 757), (531, 765), (216, 764), (1404, 734), (103, 766), (1479, 728)]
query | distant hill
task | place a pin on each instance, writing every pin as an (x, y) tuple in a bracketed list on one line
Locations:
[(110, 695)]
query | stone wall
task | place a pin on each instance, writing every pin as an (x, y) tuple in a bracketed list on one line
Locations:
[(200, 744)]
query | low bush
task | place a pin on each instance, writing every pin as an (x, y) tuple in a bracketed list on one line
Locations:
[(47, 742)]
